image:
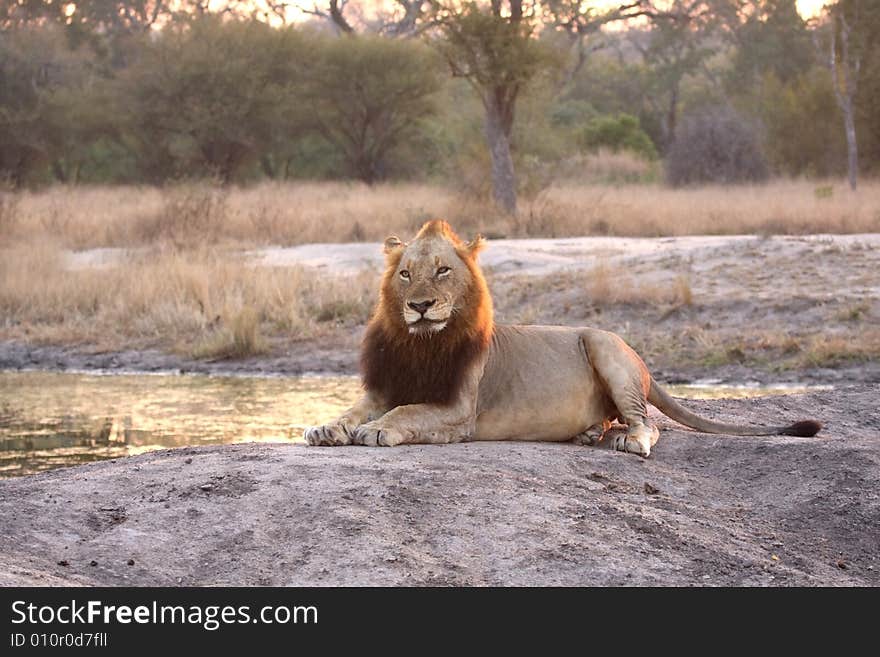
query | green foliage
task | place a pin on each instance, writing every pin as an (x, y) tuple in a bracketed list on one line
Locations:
[(369, 97), (620, 132), (118, 93), (772, 39), (611, 87), (571, 113), (491, 50), (864, 18), (188, 111), (867, 116), (803, 133), (30, 71)]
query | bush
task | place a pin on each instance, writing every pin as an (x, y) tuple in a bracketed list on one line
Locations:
[(716, 145), (187, 112), (369, 97), (805, 101), (620, 132), (191, 215)]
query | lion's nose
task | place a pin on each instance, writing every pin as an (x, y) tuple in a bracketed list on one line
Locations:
[(421, 307)]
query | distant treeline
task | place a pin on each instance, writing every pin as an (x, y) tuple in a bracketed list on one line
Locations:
[(126, 98)]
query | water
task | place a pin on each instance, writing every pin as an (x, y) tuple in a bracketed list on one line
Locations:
[(52, 420)]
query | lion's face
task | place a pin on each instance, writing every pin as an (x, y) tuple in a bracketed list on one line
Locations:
[(433, 320), (427, 280)]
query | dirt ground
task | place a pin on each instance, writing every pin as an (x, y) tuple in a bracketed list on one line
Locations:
[(703, 510)]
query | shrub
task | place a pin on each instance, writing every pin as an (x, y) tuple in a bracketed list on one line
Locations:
[(370, 96), (716, 145), (187, 112), (8, 213), (239, 337), (191, 214), (620, 132)]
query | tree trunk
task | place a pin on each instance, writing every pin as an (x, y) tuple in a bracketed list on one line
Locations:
[(672, 117), (844, 73), (269, 167), (364, 169), (498, 138), (852, 149), (59, 171)]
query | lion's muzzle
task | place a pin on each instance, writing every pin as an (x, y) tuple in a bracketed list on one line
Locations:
[(421, 307)]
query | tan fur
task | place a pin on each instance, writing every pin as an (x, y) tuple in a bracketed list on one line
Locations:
[(539, 383)]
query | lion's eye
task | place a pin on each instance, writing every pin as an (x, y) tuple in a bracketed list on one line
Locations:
[(443, 271), (404, 274)]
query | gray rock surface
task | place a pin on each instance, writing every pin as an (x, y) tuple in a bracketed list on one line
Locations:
[(703, 510)]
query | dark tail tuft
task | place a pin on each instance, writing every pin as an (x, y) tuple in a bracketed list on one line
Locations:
[(804, 428)]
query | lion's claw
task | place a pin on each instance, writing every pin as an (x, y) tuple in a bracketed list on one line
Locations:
[(328, 435), (374, 436)]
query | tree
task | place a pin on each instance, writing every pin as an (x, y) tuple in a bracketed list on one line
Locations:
[(493, 45), (187, 111), (25, 80), (786, 109), (868, 99), (38, 75), (368, 95), (716, 145), (494, 50), (675, 46), (844, 51), (581, 22), (395, 19), (770, 37)]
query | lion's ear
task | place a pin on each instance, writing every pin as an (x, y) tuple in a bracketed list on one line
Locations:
[(392, 244), (475, 245)]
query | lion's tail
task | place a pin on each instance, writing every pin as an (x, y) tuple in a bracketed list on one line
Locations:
[(670, 407)]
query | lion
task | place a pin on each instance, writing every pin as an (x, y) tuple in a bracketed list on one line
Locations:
[(436, 369)]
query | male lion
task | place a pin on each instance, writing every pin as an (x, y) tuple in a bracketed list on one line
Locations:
[(437, 370)]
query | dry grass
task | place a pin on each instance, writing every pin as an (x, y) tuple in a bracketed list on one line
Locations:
[(8, 213), (297, 213), (193, 292), (208, 303), (606, 166), (241, 338), (769, 349), (577, 297), (606, 285), (833, 351), (782, 207)]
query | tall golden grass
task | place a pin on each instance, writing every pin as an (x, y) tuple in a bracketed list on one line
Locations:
[(296, 213), (605, 285), (205, 303), (193, 291)]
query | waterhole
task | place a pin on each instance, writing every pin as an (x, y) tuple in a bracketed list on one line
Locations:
[(52, 420)]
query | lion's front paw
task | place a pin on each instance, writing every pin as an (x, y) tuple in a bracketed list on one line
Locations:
[(374, 435), (329, 435)]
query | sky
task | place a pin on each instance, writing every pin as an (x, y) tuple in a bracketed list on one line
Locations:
[(806, 8)]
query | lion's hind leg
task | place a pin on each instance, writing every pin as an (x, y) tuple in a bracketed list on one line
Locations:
[(593, 435), (626, 381), (638, 439)]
